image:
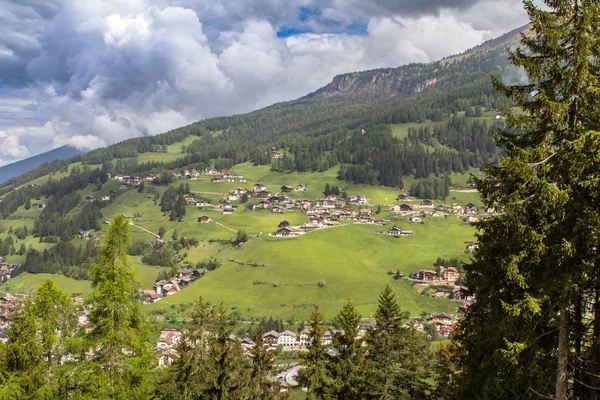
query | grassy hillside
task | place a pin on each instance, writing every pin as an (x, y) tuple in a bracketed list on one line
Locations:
[(350, 260)]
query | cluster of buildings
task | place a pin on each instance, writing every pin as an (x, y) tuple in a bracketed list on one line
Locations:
[(9, 304), (6, 269), (164, 288), (446, 275), (444, 323)]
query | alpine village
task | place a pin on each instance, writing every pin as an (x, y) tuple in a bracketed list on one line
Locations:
[(427, 231)]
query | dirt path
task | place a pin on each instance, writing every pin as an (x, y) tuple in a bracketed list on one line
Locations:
[(226, 227)]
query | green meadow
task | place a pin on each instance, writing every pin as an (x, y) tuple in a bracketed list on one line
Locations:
[(323, 267)]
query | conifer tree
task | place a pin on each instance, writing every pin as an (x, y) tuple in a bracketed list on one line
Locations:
[(119, 333), (346, 367), (262, 368), (536, 268), (397, 365), (315, 376)]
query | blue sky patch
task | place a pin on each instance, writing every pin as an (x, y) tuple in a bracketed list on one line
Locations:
[(311, 20)]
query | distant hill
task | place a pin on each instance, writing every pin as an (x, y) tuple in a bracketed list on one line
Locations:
[(20, 167)]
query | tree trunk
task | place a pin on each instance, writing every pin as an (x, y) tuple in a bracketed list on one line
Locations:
[(595, 358), (563, 348), (578, 388)]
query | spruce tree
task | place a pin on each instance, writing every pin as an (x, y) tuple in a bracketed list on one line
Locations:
[(536, 268), (315, 376), (119, 333), (347, 366), (262, 368), (397, 364)]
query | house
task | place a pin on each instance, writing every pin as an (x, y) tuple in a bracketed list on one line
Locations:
[(204, 219), (128, 217), (416, 219), (260, 187), (402, 197), (210, 171), (284, 224), (450, 274), (405, 209), (228, 211), (270, 338), (457, 294), (190, 200), (232, 197), (359, 200), (301, 188), (276, 155), (263, 194), (239, 191), (395, 209), (471, 208), (313, 223), (469, 219), (425, 275), (250, 207), (397, 232), (276, 210), (472, 247), (287, 339), (327, 338), (283, 232), (167, 358), (287, 189), (225, 204), (168, 339), (427, 204), (365, 213), (263, 204)]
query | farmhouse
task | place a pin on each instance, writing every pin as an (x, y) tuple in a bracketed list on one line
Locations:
[(402, 197), (287, 189), (425, 275), (397, 232), (204, 219), (472, 247), (228, 211), (395, 209), (283, 232), (301, 188), (416, 219), (450, 274), (359, 200), (270, 338), (365, 213), (260, 187), (250, 207), (427, 204)]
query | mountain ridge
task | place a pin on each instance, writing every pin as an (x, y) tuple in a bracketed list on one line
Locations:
[(17, 168)]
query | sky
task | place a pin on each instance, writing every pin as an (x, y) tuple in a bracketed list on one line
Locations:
[(90, 73)]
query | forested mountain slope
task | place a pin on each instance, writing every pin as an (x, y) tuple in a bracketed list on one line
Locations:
[(371, 133)]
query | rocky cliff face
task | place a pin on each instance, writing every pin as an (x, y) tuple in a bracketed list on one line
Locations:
[(389, 83)]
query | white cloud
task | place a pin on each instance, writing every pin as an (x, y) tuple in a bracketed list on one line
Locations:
[(96, 72)]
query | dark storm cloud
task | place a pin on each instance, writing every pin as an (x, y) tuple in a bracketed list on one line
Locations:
[(94, 72)]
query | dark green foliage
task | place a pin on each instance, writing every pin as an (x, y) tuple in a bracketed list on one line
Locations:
[(209, 364), (398, 356), (536, 271), (161, 254), (431, 188), (316, 376), (211, 264), (64, 258)]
